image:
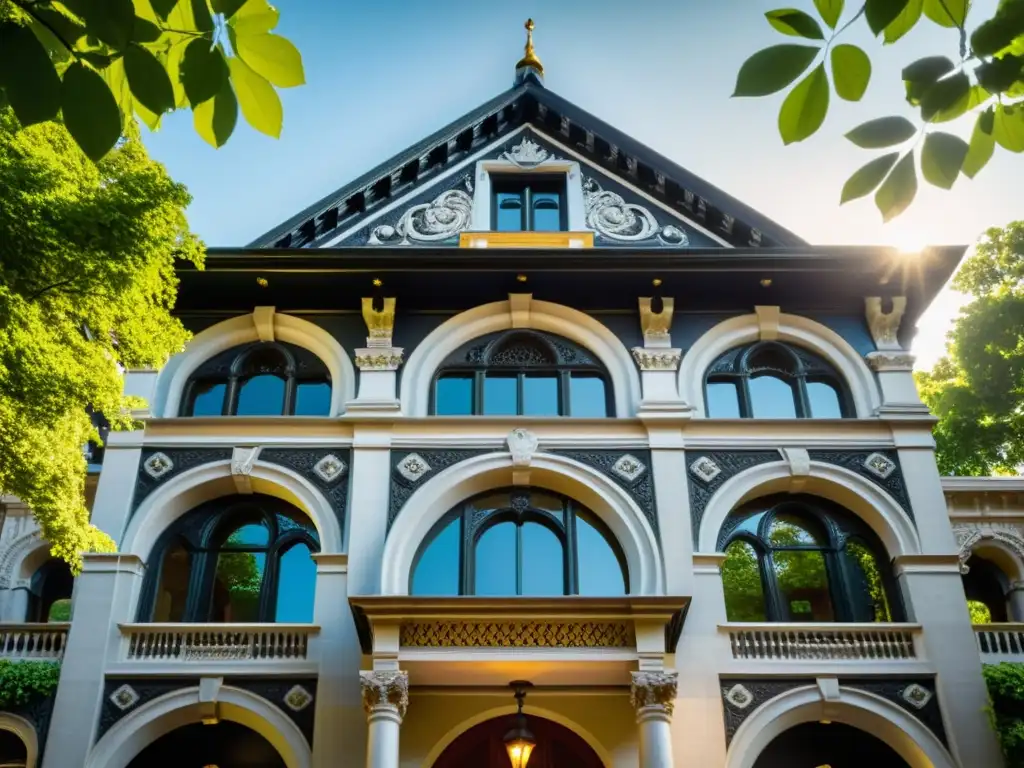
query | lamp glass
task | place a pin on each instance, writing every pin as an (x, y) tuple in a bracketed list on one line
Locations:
[(519, 751)]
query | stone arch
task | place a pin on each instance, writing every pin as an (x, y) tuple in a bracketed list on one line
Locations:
[(1001, 544), (520, 311), (263, 324), (848, 489), (19, 552), (25, 731), (907, 736), (133, 733), (768, 323), (188, 490), (605, 498)]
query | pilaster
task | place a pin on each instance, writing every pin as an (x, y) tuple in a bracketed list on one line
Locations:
[(892, 364), (657, 359), (385, 701), (378, 362), (653, 697)]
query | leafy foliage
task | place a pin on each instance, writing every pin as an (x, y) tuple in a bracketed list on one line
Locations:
[(988, 81), (977, 389), (1005, 684), (23, 681), (979, 612), (96, 64), (86, 287)]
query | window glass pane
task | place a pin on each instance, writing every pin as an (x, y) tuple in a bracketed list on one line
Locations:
[(540, 396), (866, 586), (547, 502), (500, 396), (547, 212), (454, 396), (261, 396), (208, 398), (437, 572), (60, 610), (771, 398), (543, 562), (296, 586), (173, 591), (824, 400), (495, 561), (803, 585), (792, 530), (249, 535), (509, 211), (723, 400), (587, 397), (598, 570), (741, 579), (236, 588), (313, 398)]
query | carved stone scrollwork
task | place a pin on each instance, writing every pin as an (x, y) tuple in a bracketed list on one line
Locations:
[(522, 444), (612, 217), (526, 154), (969, 535), (388, 690), (445, 216), (654, 689), (389, 359)]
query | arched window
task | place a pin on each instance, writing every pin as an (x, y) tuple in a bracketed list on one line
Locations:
[(985, 586), (13, 753), (50, 592), (259, 379), (771, 380), (520, 542), (797, 558), (522, 373), (234, 559)]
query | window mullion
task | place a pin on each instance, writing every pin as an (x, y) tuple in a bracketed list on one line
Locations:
[(803, 404), (290, 387), (520, 392), (527, 209), (467, 553), (231, 397), (570, 555), (478, 393), (746, 402), (519, 556), (564, 395)]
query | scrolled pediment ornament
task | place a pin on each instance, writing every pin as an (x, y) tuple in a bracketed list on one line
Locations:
[(612, 217), (970, 535), (526, 154), (444, 217)]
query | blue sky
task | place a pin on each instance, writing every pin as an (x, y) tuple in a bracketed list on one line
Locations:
[(383, 74)]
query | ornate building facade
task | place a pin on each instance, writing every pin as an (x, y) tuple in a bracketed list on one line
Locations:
[(530, 419)]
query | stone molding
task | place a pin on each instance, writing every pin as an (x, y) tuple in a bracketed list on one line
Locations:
[(969, 535), (379, 359), (654, 689), (385, 690), (890, 362), (655, 359)]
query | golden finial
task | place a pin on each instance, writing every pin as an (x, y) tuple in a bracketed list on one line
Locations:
[(530, 56), (377, 282)]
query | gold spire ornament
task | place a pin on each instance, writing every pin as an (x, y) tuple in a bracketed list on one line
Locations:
[(530, 56)]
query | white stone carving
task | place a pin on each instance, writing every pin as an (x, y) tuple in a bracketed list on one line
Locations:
[(522, 444), (969, 535), (654, 689), (298, 698), (705, 468), (890, 361), (389, 359), (445, 216), (916, 695), (243, 459), (413, 467), (739, 696), (657, 359), (14, 554), (329, 468), (612, 217), (629, 467), (526, 154), (880, 466), (125, 697), (385, 689), (158, 465), (885, 326)]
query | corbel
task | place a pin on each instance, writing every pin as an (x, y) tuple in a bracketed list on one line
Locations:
[(885, 326), (799, 461), (242, 461), (656, 326), (380, 324), (209, 690)]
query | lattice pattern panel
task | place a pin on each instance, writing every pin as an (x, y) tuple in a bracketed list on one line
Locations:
[(517, 634)]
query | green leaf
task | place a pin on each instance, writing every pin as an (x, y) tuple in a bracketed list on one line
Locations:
[(201, 15), (256, 17), (905, 22), (947, 13), (90, 111), (1008, 127), (273, 57), (980, 149), (772, 69), (55, 49), (942, 157), (228, 7), (882, 132), (145, 31), (851, 71), (881, 13), (69, 30), (944, 95), (790, 21), (163, 8), (98, 60), (215, 118), (148, 80), (203, 71), (974, 98), (928, 70), (897, 191), (830, 11), (866, 179), (260, 103), (805, 107), (27, 75), (112, 21), (1000, 74)]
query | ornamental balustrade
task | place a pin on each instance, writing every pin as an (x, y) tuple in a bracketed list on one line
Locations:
[(1000, 642), (33, 641), (203, 643), (824, 642)]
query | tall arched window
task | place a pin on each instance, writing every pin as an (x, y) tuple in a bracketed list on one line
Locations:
[(234, 559), (259, 379), (798, 558), (522, 373), (522, 541), (772, 380)]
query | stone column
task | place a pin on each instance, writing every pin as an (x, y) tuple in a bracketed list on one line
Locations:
[(653, 695), (385, 699), (1015, 601)]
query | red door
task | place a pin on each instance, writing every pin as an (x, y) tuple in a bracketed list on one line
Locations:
[(482, 747)]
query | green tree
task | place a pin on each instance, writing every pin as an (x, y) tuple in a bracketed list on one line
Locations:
[(96, 64), (87, 282), (983, 75), (977, 389)]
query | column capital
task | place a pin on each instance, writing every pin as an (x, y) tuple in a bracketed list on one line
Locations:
[(654, 689), (379, 358), (385, 690)]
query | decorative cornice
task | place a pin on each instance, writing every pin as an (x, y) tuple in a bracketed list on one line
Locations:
[(379, 358), (657, 359), (884, 362), (654, 689), (885, 326), (385, 690)]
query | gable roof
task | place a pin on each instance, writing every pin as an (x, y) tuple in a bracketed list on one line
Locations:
[(532, 104)]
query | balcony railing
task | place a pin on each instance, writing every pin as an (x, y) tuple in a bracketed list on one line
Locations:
[(218, 643), (823, 642), (1000, 642), (33, 641)]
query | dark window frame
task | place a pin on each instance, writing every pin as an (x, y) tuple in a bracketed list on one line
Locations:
[(526, 185)]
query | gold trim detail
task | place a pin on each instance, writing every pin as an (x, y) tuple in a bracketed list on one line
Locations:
[(517, 634), (526, 240), (529, 54)]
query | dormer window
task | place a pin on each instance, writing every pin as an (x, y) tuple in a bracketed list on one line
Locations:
[(529, 203)]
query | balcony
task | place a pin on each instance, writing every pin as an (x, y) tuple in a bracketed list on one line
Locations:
[(34, 642), (1000, 642)]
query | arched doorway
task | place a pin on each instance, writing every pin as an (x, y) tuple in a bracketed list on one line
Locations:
[(482, 747), (13, 752), (224, 745), (985, 586), (50, 592), (835, 745)]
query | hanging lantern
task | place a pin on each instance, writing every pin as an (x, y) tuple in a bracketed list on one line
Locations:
[(519, 741)]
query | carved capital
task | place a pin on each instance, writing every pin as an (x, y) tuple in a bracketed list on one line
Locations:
[(885, 326), (380, 325), (885, 362), (657, 326), (657, 359), (388, 690), (654, 689), (379, 359)]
